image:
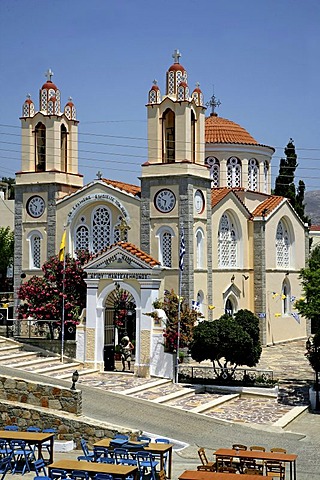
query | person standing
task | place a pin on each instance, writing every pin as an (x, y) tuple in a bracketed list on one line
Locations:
[(127, 349)]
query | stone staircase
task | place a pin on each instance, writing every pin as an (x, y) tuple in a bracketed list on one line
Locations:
[(14, 354)]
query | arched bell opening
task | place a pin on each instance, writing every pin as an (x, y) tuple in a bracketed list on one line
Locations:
[(120, 321)]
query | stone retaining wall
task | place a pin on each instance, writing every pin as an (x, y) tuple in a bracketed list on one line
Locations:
[(68, 426), (41, 395)]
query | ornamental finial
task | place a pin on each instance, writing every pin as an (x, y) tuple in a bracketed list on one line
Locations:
[(213, 103), (176, 55), (49, 74), (155, 82)]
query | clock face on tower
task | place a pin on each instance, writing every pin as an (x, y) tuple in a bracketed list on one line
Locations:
[(35, 206), (199, 201), (165, 200)]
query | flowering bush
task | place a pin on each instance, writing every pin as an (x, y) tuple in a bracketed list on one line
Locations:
[(188, 319), (42, 297)]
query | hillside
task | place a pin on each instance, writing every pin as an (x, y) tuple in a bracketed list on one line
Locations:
[(312, 203)]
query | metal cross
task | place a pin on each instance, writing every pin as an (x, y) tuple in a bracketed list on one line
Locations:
[(49, 74), (176, 55), (155, 82), (99, 175), (197, 85), (213, 103), (123, 227)]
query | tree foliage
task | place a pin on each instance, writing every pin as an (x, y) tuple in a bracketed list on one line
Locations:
[(313, 354), (309, 304), (6, 254), (188, 318), (228, 342), (284, 184), (42, 297), (11, 182)]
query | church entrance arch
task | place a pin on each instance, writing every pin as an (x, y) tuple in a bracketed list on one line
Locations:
[(120, 321)]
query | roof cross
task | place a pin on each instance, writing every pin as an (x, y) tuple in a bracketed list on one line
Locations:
[(213, 103), (176, 55), (49, 74), (99, 175)]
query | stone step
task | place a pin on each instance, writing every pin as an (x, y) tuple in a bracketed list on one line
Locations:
[(11, 348), (37, 361), (84, 371), (55, 368), (11, 358)]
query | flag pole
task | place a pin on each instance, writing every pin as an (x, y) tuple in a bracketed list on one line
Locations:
[(182, 252), (62, 256)]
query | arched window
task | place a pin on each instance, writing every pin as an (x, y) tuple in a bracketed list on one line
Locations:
[(214, 171), (286, 294), (165, 235), (63, 149), (253, 174), (168, 137), (40, 147), (34, 239), (227, 243), (82, 238), (265, 175), (166, 249), (282, 245), (233, 172), (101, 229), (199, 247)]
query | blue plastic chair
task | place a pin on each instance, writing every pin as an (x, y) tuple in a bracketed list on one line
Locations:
[(47, 444), (88, 456), (99, 452), (103, 476), (5, 466), (144, 439), (21, 456), (34, 429), (165, 456), (79, 475), (40, 467), (12, 428), (108, 460), (58, 474), (120, 453), (146, 465), (5, 450), (121, 435)]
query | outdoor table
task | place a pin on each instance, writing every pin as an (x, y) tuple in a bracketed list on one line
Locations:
[(258, 455), (120, 471), (206, 475), (156, 448), (32, 438)]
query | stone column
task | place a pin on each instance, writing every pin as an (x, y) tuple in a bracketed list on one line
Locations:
[(259, 268), (149, 292)]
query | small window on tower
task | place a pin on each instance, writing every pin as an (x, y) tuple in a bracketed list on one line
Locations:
[(40, 147)]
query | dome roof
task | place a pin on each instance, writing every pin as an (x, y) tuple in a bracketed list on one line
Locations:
[(175, 67), (49, 85), (221, 130)]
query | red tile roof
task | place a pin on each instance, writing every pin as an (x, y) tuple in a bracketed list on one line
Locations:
[(314, 228), (267, 206), (126, 187), (129, 247), (221, 130)]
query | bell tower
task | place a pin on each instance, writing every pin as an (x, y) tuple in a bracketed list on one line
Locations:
[(175, 183), (49, 171)]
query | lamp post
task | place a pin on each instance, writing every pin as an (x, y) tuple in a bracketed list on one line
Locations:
[(313, 355), (75, 378)]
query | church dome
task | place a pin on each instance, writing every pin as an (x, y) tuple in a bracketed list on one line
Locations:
[(49, 86), (221, 130), (176, 66)]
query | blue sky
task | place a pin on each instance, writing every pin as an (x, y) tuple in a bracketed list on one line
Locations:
[(263, 58)]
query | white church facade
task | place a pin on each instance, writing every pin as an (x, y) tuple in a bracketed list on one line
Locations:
[(244, 246)]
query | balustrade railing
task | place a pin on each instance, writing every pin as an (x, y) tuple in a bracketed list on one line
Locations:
[(224, 376)]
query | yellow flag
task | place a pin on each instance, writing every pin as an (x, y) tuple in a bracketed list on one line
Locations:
[(62, 246)]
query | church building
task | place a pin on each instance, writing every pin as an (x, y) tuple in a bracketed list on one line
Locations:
[(205, 176)]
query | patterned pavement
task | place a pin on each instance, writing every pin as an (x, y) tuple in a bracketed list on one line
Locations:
[(288, 362)]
